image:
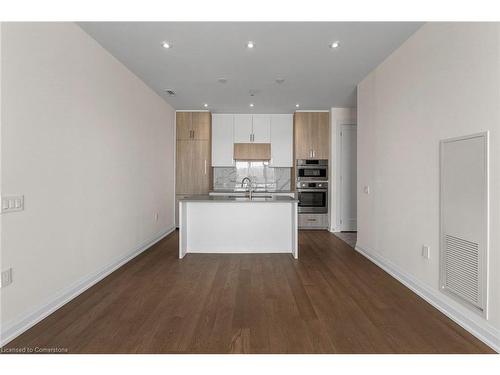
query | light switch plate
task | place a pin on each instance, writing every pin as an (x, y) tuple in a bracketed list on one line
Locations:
[(366, 189), (12, 203), (426, 252), (6, 278)]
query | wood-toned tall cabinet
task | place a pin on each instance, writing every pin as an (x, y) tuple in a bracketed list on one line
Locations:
[(312, 135), (192, 126), (193, 155)]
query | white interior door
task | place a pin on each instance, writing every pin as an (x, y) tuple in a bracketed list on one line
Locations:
[(348, 203), (464, 219)]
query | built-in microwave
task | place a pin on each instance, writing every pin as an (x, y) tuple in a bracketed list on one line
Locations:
[(312, 170)]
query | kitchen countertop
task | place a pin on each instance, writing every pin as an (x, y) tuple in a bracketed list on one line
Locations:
[(257, 199), (241, 191)]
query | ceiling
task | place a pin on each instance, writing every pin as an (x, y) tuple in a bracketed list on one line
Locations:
[(315, 76)]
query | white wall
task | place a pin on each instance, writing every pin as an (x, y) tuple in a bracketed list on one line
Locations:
[(338, 116), (91, 147), (443, 82)]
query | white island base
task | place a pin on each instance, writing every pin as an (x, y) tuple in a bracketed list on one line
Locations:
[(237, 226)]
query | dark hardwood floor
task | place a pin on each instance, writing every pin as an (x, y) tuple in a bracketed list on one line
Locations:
[(332, 300)]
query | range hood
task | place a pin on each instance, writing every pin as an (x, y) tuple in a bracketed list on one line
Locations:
[(252, 151)]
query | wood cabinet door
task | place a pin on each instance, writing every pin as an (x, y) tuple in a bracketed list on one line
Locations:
[(302, 135), (192, 174), (201, 125), (183, 125), (183, 166), (320, 135), (200, 169)]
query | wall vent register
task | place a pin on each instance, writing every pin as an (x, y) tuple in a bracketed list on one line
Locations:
[(461, 267)]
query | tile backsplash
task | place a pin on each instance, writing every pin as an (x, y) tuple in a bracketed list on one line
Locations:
[(260, 173)]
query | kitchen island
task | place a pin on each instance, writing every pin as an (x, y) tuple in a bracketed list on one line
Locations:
[(222, 224)]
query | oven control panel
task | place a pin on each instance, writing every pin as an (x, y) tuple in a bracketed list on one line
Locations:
[(312, 185)]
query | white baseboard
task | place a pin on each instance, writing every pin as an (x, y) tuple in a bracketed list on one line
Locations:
[(483, 331), (14, 328)]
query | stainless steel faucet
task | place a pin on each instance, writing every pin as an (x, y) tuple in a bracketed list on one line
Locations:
[(249, 185)]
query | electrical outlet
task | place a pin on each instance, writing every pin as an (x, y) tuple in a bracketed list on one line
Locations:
[(6, 277), (12, 203), (426, 252)]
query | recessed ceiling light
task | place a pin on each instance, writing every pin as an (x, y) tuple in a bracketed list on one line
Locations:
[(335, 44), (297, 105), (250, 44), (279, 81), (222, 80), (205, 105), (251, 105), (166, 44)]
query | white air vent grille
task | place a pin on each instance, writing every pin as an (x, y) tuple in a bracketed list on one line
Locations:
[(461, 268)]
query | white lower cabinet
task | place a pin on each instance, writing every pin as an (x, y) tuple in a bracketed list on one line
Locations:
[(177, 198)]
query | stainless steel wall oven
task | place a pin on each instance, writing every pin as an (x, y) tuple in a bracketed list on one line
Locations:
[(313, 197)]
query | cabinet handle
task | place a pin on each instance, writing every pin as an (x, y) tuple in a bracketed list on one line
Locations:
[(314, 154), (205, 166), (193, 134)]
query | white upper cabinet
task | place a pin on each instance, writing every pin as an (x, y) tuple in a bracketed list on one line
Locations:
[(228, 129), (243, 128), (261, 129), (222, 140), (281, 140), (252, 128)]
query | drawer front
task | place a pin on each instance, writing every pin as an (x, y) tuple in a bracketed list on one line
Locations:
[(313, 221)]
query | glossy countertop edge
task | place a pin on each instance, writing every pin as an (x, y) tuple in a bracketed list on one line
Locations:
[(255, 191), (208, 198)]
